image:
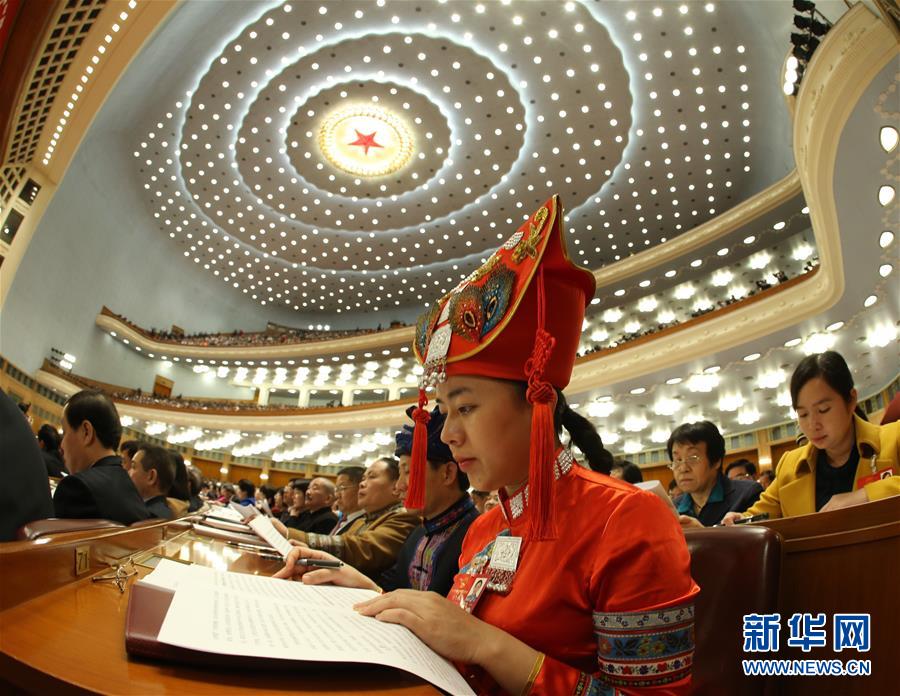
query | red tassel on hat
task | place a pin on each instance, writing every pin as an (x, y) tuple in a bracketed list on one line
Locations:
[(415, 492), (540, 394)]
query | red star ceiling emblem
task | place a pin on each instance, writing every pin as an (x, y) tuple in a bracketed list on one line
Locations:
[(365, 141)]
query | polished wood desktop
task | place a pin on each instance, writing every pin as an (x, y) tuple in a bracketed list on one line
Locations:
[(61, 632), (845, 561)]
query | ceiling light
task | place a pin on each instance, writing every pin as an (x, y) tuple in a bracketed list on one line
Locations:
[(802, 252), (870, 300), (667, 407), (888, 138), (635, 424), (600, 409), (612, 315), (884, 241), (730, 402), (836, 326), (759, 261), (770, 380), (684, 292), (818, 343), (752, 357), (660, 435), (881, 335), (647, 304), (748, 416), (793, 342), (885, 270), (609, 437), (637, 391), (674, 380), (666, 316), (721, 278), (702, 383), (632, 447), (886, 194)]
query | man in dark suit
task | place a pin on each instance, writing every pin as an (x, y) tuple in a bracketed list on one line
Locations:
[(318, 517), (153, 472), (25, 493), (98, 486)]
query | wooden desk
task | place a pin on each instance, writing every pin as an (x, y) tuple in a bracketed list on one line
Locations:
[(846, 561), (65, 634)]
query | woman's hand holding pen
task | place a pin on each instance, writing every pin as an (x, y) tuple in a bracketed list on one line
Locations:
[(345, 576)]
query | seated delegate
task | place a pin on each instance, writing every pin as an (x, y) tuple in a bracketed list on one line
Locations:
[(696, 451), (847, 460)]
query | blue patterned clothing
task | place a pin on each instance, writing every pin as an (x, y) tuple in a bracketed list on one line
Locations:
[(430, 557)]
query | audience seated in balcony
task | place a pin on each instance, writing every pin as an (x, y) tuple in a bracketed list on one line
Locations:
[(626, 337), (273, 335)]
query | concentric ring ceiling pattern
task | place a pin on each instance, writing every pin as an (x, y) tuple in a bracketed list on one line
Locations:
[(345, 156)]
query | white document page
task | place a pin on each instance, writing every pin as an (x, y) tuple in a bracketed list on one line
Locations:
[(657, 489), (245, 511), (226, 513), (264, 527), (241, 614), (222, 524), (237, 537)]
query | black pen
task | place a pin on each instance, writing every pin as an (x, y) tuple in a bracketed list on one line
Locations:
[(319, 563)]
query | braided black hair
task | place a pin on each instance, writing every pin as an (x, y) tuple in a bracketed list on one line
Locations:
[(582, 434)]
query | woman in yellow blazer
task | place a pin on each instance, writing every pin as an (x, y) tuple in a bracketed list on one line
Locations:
[(847, 460)]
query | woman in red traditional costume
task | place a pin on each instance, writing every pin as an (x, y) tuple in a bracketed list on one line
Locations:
[(577, 583)]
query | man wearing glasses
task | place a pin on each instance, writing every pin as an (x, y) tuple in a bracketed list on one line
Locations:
[(347, 491), (696, 451)]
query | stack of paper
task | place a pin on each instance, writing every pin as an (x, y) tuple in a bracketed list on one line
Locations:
[(243, 615)]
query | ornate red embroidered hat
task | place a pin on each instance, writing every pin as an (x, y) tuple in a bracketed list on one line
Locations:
[(517, 317)]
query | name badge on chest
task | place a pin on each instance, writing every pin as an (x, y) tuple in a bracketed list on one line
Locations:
[(504, 562), (877, 474)]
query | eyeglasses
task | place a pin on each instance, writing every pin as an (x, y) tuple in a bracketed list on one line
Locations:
[(341, 489), (689, 461)]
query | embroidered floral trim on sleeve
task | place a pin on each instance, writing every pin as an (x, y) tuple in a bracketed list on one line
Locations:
[(645, 648)]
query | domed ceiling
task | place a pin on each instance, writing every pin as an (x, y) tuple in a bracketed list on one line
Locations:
[(342, 157)]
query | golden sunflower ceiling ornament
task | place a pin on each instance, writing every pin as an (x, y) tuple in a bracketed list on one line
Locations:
[(365, 141)]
